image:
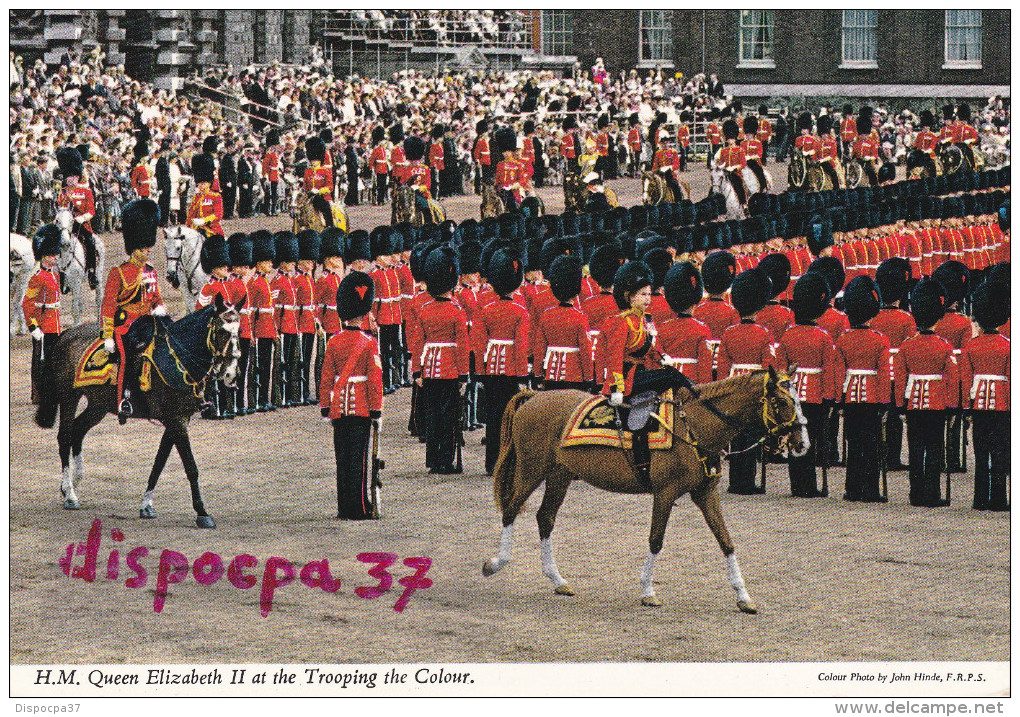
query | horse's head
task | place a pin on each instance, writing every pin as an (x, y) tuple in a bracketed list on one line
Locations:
[(781, 413), (222, 342), (174, 249), (64, 220)]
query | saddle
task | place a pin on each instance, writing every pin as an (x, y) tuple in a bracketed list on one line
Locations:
[(596, 423)]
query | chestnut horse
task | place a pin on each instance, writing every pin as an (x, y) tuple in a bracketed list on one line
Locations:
[(530, 452)]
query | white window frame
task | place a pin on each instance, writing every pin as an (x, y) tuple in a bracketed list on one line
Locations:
[(667, 16), (555, 31), (858, 64), (971, 64), (770, 22)]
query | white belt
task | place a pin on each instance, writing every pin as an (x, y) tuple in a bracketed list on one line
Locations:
[(389, 299), (48, 306), (357, 379), (744, 367), (713, 343), (810, 371), (957, 352), (264, 311), (495, 342), (894, 351), (287, 307), (671, 361), (308, 308), (980, 377), (562, 350), (852, 372), (245, 311), (919, 377)]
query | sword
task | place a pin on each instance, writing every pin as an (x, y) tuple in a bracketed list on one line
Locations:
[(377, 465)]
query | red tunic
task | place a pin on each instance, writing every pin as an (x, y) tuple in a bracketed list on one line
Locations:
[(133, 289), (41, 305), (319, 180), (598, 308), (286, 305), (897, 326), (528, 152), (562, 349), (714, 134), (271, 166), (325, 299), (984, 373), (351, 383), (628, 344), (437, 156), (445, 348), (81, 202), (683, 341), (666, 157), (237, 291), (499, 337), (567, 148), (807, 144), (776, 318), (141, 180), (745, 347), (862, 361), (717, 314), (416, 175), (387, 296), (835, 322), (658, 310), (415, 338), (764, 129), (954, 328), (379, 160), (927, 370), (263, 311), (683, 136), (304, 297), (732, 159), (207, 206), (752, 149), (481, 152), (813, 353), (209, 292), (634, 140), (398, 160), (926, 141), (848, 130), (866, 148), (541, 299)]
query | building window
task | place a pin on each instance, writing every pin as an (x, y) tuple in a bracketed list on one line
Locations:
[(657, 36), (557, 32), (756, 31), (860, 39), (963, 39)]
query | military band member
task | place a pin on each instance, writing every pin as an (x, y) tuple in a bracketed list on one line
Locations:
[(862, 359), (78, 197), (847, 132), (205, 213), (132, 290), (379, 160), (746, 347), (263, 317), (499, 333), (41, 305), (683, 339), (215, 261), (955, 328), (285, 302), (928, 371), (717, 273), (242, 266), (351, 398), (562, 348), (984, 373), (806, 142)]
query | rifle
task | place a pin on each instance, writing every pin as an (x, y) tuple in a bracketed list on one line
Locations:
[(377, 465), (883, 452), (257, 371), (949, 480), (279, 370), (460, 431)]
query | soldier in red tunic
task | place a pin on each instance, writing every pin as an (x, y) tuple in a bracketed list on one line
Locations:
[(862, 361), (562, 349), (507, 180), (667, 163), (847, 131), (412, 326), (717, 272), (41, 305), (714, 135), (242, 265), (965, 136), (764, 133), (467, 295), (287, 309), (827, 153), (386, 243), (776, 317), (413, 173), (485, 170), (811, 352), (754, 151), (732, 161), (206, 209), (683, 339), (683, 138), (437, 156), (634, 144), (924, 146), (604, 264), (955, 328), (309, 243), (658, 260), (443, 364), (215, 260), (79, 198), (746, 347), (351, 398), (141, 177), (806, 142), (866, 146), (263, 317), (894, 277), (379, 161), (318, 180), (602, 146), (928, 371), (984, 374), (132, 290), (271, 168)]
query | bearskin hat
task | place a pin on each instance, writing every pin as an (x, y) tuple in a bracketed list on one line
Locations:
[(955, 277), (505, 272), (862, 300), (272, 137), (470, 254), (326, 135), (751, 291), (604, 264), (658, 260), (811, 297), (777, 266), (210, 144), (438, 131), (887, 172), (397, 133), (442, 271), (832, 270), (552, 248), (141, 150), (414, 148), (69, 162), (203, 167), (569, 123), (633, 119), (263, 246), (315, 149), (893, 278), (819, 234), (332, 243), (928, 303), (602, 122), (505, 140), (683, 287), (730, 129), (214, 253), (565, 277), (630, 278), (417, 261), (991, 305), (139, 222), (378, 241), (482, 127), (999, 272), (824, 124), (927, 119), (718, 271), (46, 241), (286, 244), (309, 243), (358, 247), (240, 250), (378, 134), (864, 118), (963, 112), (750, 126), (804, 122), (354, 296)]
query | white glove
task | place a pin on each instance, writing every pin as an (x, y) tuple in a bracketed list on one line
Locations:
[(109, 346), (37, 333), (198, 222), (616, 399), (159, 311)]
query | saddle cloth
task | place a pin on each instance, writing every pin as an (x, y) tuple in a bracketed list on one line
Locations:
[(96, 369), (593, 424)]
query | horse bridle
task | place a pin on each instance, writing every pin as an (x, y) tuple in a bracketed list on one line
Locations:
[(219, 357), (178, 263)]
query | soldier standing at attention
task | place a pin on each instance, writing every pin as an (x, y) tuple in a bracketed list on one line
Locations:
[(776, 317), (764, 133), (984, 373), (263, 313), (318, 179), (926, 368), (242, 266), (141, 177), (811, 350), (331, 251), (746, 347), (717, 272), (862, 359), (132, 290), (827, 152), (437, 156), (285, 301), (634, 144), (604, 264), (682, 338), (271, 168), (206, 209), (562, 349), (379, 160), (41, 305), (714, 135), (215, 260), (350, 397), (955, 328), (385, 245), (309, 242), (732, 160), (683, 139)]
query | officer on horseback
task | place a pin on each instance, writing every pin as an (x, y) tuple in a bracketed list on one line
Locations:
[(732, 160), (414, 174), (923, 155), (828, 150), (507, 179), (132, 291), (206, 209), (318, 180), (754, 151), (866, 146), (667, 163), (79, 198), (965, 136)]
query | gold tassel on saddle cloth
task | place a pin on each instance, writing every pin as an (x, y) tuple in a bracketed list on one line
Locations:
[(593, 424)]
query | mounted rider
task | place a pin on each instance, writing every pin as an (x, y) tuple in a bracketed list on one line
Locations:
[(414, 174), (132, 291), (318, 180), (667, 163), (965, 136), (215, 259), (507, 180), (828, 150), (925, 144), (866, 146), (206, 209), (754, 151), (731, 159), (79, 199)]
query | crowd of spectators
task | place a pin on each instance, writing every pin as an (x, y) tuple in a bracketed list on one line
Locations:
[(493, 28)]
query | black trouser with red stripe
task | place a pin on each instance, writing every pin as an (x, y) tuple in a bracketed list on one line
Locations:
[(351, 436), (390, 354), (440, 402), (42, 351), (264, 350), (307, 342)]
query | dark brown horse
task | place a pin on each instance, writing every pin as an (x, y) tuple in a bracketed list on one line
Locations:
[(202, 344), (530, 452)]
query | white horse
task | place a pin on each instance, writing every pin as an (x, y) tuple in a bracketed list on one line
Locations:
[(71, 265), (183, 263), (22, 266), (721, 185)]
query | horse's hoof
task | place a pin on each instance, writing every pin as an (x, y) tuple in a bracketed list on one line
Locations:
[(205, 521), (564, 589), (147, 513), (487, 569), (651, 601), (747, 606), (70, 504)]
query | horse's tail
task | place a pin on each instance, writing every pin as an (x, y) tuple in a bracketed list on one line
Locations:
[(46, 413), (506, 463)]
